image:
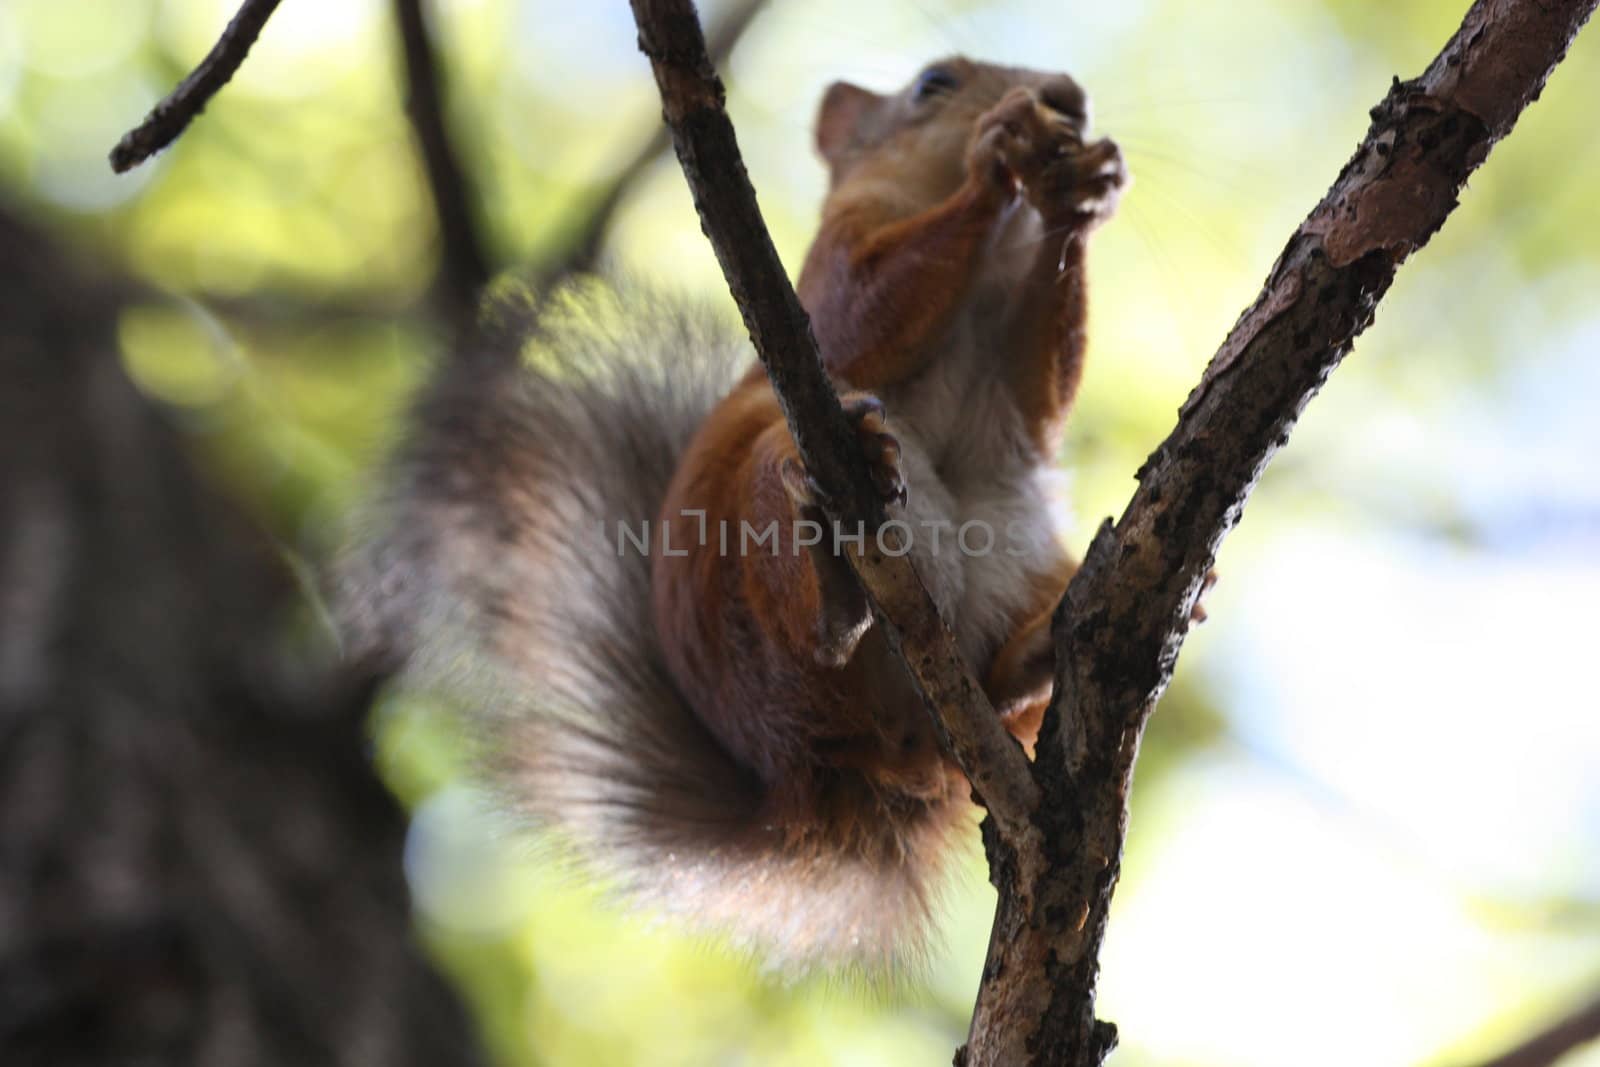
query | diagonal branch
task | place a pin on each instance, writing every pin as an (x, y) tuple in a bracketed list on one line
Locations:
[(1549, 1045), (1126, 612), (173, 114), (692, 97), (464, 266)]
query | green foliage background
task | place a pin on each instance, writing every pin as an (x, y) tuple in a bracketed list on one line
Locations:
[(1366, 817)]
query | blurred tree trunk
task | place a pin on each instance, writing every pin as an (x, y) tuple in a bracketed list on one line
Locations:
[(197, 864)]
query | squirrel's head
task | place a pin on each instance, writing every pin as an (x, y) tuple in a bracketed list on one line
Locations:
[(917, 138)]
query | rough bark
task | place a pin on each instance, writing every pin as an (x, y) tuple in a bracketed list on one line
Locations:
[(1055, 832), (197, 862)]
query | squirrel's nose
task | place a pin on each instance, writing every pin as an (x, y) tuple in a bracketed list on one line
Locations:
[(1067, 98)]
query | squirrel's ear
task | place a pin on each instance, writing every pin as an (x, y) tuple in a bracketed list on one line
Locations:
[(843, 107)]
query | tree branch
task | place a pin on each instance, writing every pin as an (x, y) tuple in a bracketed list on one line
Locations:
[(692, 97), (173, 114), (464, 266), (1551, 1044), (1126, 612)]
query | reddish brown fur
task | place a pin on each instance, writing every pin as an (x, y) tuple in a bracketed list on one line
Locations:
[(847, 754)]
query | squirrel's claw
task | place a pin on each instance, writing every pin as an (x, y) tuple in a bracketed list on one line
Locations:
[(880, 448)]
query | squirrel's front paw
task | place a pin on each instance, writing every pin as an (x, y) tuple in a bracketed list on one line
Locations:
[(879, 447), (1024, 143), (1008, 142), (1080, 184)]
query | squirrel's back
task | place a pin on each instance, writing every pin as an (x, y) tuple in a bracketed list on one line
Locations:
[(497, 566)]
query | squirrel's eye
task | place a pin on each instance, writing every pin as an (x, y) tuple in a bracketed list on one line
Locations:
[(935, 81)]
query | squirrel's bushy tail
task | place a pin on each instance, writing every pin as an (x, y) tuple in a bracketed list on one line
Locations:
[(491, 564)]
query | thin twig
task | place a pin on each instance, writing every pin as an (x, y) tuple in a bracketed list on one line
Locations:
[(173, 114), (692, 97), (464, 264), (1127, 610)]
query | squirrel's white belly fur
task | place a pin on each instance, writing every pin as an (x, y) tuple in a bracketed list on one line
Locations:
[(970, 465), (985, 516), (974, 476)]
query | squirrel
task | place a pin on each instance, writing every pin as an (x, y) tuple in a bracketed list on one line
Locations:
[(715, 724)]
